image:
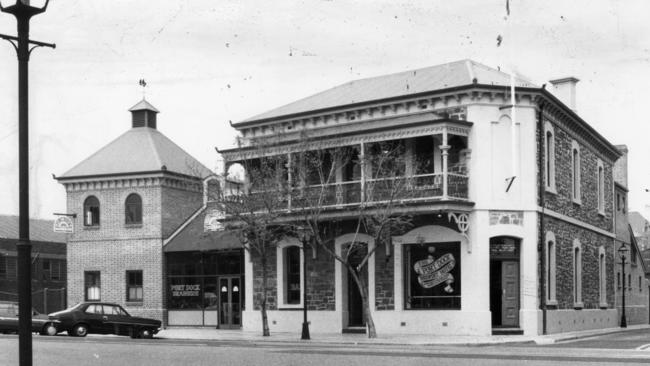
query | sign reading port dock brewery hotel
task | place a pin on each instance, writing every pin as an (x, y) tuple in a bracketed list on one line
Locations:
[(185, 290)]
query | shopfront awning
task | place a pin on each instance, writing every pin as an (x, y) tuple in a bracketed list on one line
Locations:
[(193, 237)]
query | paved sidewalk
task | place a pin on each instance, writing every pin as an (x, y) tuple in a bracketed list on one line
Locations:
[(209, 333)]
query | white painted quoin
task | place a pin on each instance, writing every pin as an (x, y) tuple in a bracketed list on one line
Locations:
[(490, 225)]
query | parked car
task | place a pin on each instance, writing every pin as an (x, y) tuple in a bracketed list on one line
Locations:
[(103, 318), (9, 320)]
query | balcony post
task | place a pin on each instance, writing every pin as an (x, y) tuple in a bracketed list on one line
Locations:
[(289, 182), (444, 149), (362, 160)]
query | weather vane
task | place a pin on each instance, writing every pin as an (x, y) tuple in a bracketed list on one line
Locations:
[(143, 84)]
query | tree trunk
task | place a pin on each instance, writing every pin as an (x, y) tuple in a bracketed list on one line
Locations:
[(363, 291), (265, 320)]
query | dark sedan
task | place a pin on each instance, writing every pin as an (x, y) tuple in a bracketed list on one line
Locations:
[(103, 318), (9, 320)]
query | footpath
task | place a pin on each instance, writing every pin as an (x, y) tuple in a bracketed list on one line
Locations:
[(209, 333)]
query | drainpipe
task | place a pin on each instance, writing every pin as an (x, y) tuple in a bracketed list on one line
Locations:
[(540, 162)]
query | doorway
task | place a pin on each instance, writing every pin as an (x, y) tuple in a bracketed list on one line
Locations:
[(504, 282), (355, 303), (230, 302)]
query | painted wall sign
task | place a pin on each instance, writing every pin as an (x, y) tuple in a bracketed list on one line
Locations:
[(185, 290), (506, 218)]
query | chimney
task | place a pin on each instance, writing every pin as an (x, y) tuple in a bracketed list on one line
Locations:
[(565, 90), (143, 114), (620, 167)]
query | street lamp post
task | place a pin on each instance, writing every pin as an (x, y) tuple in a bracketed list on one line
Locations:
[(622, 251), (304, 239), (23, 11)]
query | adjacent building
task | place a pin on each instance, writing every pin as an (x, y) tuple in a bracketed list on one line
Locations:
[(517, 189), (49, 268), (135, 204)]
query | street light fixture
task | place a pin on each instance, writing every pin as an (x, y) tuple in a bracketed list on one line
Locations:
[(622, 252), (24, 10), (305, 237)]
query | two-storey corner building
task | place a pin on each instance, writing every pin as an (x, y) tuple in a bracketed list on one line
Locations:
[(631, 279), (518, 190), (128, 198), (48, 263)]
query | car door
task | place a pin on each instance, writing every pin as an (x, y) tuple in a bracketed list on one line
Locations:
[(94, 316), (113, 320)]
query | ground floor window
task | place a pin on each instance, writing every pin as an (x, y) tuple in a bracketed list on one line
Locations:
[(92, 285), (134, 290), (432, 276)]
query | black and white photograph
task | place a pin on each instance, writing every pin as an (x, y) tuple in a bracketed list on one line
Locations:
[(324, 182)]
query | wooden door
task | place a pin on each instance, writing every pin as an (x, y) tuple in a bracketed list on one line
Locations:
[(510, 298)]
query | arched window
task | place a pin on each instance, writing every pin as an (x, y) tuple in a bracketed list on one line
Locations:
[(290, 265), (577, 274), (91, 211), (602, 270), (549, 167), (575, 171), (133, 209), (550, 269), (600, 177)]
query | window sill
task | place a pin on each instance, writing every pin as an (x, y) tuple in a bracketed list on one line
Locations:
[(93, 227), (577, 202), (601, 213), (134, 303), (133, 226), (551, 302), (290, 307), (578, 305), (551, 190), (603, 305)]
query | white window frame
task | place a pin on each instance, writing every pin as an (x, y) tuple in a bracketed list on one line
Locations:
[(600, 183), (577, 275), (549, 158), (602, 277), (576, 191), (551, 264), (282, 278)]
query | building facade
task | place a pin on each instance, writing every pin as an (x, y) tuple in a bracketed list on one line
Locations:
[(48, 264), (514, 204), (127, 199)]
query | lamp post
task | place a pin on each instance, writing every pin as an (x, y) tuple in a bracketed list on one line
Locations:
[(304, 239), (23, 11), (622, 251)]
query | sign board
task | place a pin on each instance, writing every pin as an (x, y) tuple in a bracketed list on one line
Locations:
[(63, 224), (213, 221)]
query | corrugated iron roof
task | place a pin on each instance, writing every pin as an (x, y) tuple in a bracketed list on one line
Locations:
[(138, 150), (453, 74), (193, 237), (39, 230)]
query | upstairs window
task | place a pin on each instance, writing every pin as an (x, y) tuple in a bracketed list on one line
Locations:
[(575, 172), (600, 178), (549, 162), (133, 209), (91, 211)]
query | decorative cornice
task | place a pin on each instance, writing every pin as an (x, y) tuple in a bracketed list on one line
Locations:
[(143, 181)]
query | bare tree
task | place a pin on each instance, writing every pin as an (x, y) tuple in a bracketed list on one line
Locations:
[(254, 207), (371, 185)]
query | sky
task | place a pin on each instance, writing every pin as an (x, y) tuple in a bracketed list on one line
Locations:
[(210, 62)]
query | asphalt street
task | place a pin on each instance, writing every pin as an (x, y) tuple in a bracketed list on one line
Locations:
[(611, 349)]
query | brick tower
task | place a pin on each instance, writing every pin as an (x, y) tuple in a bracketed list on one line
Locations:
[(128, 197)]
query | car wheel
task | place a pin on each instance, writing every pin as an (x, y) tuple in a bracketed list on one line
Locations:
[(146, 333), (80, 330), (49, 329)]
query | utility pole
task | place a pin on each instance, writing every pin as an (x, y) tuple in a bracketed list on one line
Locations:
[(23, 12)]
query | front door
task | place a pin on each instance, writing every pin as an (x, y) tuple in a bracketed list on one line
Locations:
[(510, 297), (355, 304), (229, 302)]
